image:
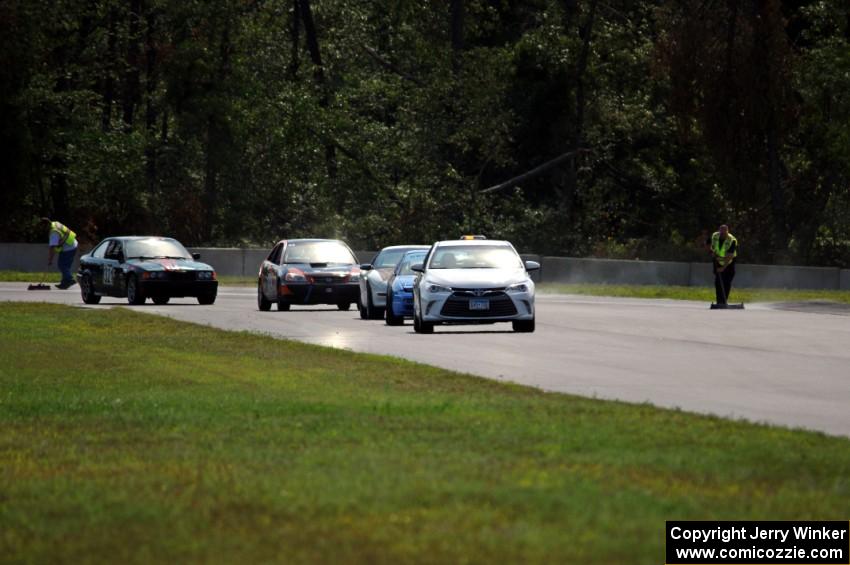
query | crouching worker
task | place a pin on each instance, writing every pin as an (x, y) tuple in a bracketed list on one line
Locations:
[(61, 241)]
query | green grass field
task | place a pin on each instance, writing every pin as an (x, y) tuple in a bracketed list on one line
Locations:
[(127, 437)]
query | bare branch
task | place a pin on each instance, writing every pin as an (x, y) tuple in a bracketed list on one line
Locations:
[(535, 172)]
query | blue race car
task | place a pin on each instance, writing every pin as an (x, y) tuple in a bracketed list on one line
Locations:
[(400, 288)]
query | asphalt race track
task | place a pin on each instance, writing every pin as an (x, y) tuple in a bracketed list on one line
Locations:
[(784, 364)]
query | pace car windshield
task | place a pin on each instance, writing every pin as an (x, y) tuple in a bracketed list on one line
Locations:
[(156, 248), (409, 260), (475, 257), (318, 252)]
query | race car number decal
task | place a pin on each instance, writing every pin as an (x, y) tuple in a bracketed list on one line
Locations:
[(107, 274)]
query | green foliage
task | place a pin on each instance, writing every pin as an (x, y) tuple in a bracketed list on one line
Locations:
[(214, 122)]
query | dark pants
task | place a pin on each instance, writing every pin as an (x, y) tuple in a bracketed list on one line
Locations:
[(65, 262), (723, 282)]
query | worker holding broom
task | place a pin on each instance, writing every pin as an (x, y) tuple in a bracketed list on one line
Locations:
[(724, 249), (61, 241)]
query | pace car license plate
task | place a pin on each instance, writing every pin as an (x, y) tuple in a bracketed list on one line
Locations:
[(479, 304)]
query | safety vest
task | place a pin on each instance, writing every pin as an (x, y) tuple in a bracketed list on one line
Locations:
[(65, 235), (720, 250)]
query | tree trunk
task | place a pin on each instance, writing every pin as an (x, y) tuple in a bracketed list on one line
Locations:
[(216, 141), (163, 135), (295, 34), (210, 178), (585, 34), (319, 75), (777, 193), (456, 33), (731, 34), (151, 78), (109, 81), (770, 100), (131, 76)]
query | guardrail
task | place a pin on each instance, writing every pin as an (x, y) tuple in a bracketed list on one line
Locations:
[(244, 262)]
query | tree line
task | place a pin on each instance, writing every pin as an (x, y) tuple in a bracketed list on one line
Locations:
[(618, 128)]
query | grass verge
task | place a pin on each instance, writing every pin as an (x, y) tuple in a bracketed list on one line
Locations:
[(126, 437), (703, 294)]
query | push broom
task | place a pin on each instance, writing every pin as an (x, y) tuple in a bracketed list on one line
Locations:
[(725, 306), (41, 285)]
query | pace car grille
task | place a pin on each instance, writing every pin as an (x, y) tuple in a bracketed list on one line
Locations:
[(457, 305), (478, 291)]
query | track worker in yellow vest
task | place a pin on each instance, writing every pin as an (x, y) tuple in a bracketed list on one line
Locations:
[(724, 250), (61, 241)]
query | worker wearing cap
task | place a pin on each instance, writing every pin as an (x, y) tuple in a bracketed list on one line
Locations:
[(61, 241), (724, 250)]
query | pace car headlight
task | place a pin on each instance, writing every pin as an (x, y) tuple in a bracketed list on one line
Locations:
[(206, 275), (437, 289), (521, 287), (354, 278)]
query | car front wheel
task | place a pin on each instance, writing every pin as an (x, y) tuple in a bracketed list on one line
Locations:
[(87, 291), (161, 300), (523, 326), (372, 312), (206, 299), (391, 318), (263, 304), (421, 327), (135, 295)]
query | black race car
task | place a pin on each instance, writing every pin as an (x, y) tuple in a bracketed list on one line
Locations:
[(309, 271), (141, 267)]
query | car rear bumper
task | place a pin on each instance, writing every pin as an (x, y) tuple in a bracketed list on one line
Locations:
[(320, 293)]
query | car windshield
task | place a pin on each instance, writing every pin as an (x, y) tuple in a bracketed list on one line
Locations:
[(388, 258), (318, 252), (475, 257), (156, 247), (409, 260)]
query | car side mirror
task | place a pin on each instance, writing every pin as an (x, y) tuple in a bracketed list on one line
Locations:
[(418, 267), (120, 257), (366, 266), (196, 256), (532, 266)]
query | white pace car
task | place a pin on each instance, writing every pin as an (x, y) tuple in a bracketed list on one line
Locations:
[(473, 281), (373, 286)]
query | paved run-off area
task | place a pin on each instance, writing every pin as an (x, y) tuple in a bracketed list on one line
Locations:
[(776, 365)]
